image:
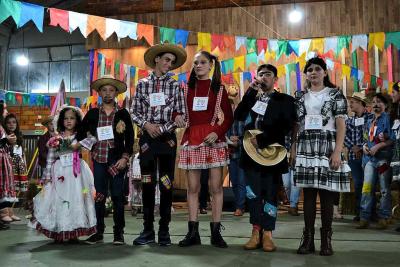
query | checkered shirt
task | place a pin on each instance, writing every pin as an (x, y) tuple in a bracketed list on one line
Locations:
[(354, 134), (100, 151)]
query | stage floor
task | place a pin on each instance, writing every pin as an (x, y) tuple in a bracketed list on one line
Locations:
[(21, 246)]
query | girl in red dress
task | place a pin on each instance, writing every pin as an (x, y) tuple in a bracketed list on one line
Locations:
[(209, 117)]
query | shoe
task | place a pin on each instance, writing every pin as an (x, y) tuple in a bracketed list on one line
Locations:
[(4, 226), (267, 244), (216, 238), (337, 216), (382, 225), (73, 241), (363, 224), (293, 211), (326, 242), (307, 242), (390, 221), (145, 237), (203, 211), (255, 240), (4, 215), (238, 212), (397, 229), (95, 239), (164, 238), (118, 239), (12, 215), (192, 237), (356, 219)]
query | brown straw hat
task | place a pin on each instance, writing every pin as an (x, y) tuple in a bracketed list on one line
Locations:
[(46, 120), (151, 54), (109, 80)]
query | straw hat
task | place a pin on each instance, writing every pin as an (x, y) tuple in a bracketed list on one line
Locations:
[(151, 54), (360, 96), (108, 80), (46, 120), (269, 156)]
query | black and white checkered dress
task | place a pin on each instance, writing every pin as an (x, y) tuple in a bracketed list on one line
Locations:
[(315, 147)]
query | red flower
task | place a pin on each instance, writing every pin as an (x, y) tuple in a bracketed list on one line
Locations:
[(61, 178)]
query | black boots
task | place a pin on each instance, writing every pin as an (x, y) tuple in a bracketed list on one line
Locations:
[(326, 245), (307, 242), (216, 238), (192, 237)]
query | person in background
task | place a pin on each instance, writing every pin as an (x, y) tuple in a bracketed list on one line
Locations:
[(43, 139)]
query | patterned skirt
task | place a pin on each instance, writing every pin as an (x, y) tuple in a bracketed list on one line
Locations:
[(314, 149), (395, 164), (7, 186), (196, 155), (20, 175)]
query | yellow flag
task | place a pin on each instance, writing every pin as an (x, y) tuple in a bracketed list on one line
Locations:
[(378, 39), (346, 71), (390, 89), (317, 44), (269, 55), (175, 77), (302, 61), (236, 77), (281, 70), (204, 41), (238, 62)]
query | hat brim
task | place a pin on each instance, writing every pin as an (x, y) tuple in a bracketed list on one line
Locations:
[(46, 121), (257, 157), (358, 99), (151, 54), (119, 85)]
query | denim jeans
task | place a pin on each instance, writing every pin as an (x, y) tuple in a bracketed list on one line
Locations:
[(292, 191), (357, 173), (236, 175), (376, 170)]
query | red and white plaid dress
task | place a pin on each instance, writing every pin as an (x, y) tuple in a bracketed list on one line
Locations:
[(218, 117), (7, 186)]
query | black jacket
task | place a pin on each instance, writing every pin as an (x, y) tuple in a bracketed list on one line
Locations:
[(279, 119), (123, 142)]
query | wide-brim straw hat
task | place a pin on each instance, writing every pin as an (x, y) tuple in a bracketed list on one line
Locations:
[(151, 54), (109, 80), (46, 120), (269, 156), (360, 96)]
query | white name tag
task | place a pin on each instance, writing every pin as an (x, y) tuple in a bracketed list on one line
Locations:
[(157, 99), (17, 150), (260, 107), (396, 124), (313, 122), (359, 121), (200, 103), (105, 133), (66, 159)]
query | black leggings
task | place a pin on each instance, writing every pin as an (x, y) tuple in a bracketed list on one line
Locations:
[(310, 207)]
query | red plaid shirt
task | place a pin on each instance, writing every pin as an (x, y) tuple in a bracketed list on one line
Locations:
[(100, 151)]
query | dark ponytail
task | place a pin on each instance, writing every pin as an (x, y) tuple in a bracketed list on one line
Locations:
[(216, 79)]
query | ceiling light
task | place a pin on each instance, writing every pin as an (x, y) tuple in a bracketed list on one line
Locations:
[(22, 60), (295, 16)]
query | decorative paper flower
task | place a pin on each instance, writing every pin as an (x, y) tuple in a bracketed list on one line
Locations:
[(54, 142), (120, 127)]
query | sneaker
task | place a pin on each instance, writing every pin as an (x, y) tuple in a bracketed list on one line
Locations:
[(145, 237), (164, 239), (382, 225), (94, 239), (363, 224), (293, 211), (203, 211), (118, 239)]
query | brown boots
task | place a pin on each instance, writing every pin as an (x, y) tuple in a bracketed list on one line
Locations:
[(258, 240), (4, 215)]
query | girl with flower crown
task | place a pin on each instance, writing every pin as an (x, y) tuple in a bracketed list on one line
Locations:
[(64, 209)]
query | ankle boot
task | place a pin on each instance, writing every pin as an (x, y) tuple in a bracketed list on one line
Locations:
[(12, 215), (216, 238), (4, 215), (192, 237), (326, 239), (267, 243), (255, 240), (307, 242)]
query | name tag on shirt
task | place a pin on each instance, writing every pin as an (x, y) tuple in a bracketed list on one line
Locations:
[(396, 124), (359, 121), (200, 103), (157, 99), (260, 107), (17, 150), (66, 160), (105, 133), (313, 122)]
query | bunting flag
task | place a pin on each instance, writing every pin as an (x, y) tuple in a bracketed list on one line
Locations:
[(247, 76), (376, 39), (281, 70), (331, 44), (78, 20), (229, 42), (389, 63), (294, 47), (251, 45), (360, 40), (31, 12), (10, 8), (251, 58), (60, 18), (217, 40), (262, 45), (181, 36), (304, 46), (354, 72), (282, 48), (392, 38), (288, 90), (96, 23), (317, 44), (273, 45), (112, 25), (298, 77), (238, 63), (227, 66), (346, 70), (343, 42), (127, 29), (147, 32), (167, 35), (261, 57), (240, 41), (203, 41), (31, 99)]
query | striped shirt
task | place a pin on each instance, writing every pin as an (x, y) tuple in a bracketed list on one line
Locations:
[(141, 111)]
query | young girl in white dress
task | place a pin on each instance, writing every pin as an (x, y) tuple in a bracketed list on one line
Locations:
[(64, 209)]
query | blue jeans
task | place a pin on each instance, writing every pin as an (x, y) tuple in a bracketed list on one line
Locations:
[(376, 170), (292, 191), (357, 173), (236, 175)]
